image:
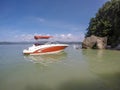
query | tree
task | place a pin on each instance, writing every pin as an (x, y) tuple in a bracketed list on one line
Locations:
[(106, 22)]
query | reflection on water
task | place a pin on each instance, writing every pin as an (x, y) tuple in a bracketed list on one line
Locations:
[(74, 69), (103, 61), (46, 58), (106, 65)]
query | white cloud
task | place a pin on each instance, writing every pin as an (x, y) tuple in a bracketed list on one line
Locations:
[(74, 31), (69, 37), (24, 37), (40, 19), (56, 37)]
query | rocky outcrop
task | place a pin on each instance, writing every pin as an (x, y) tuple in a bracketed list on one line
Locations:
[(117, 47), (101, 42), (89, 42), (95, 42)]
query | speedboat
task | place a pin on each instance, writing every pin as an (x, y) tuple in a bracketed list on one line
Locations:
[(47, 48)]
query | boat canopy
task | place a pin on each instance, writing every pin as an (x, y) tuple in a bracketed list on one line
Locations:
[(42, 37)]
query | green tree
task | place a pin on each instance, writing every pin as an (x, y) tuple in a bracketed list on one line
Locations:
[(106, 22)]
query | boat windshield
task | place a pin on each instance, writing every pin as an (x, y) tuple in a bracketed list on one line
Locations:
[(37, 44), (52, 42)]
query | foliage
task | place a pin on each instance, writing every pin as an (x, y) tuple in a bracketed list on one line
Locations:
[(106, 22)]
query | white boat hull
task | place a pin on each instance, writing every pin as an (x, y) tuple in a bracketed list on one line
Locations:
[(45, 49)]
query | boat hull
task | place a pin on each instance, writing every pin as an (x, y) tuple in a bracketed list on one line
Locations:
[(45, 49)]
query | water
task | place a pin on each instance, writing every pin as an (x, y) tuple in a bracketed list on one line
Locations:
[(73, 69)]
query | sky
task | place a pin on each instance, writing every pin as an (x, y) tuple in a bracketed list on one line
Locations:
[(65, 20)]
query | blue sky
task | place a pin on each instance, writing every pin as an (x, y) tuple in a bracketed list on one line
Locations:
[(66, 20)]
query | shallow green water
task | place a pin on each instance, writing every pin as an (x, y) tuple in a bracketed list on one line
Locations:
[(74, 69)]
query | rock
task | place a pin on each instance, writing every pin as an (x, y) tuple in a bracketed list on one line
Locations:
[(117, 47), (89, 42), (95, 42), (101, 42)]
